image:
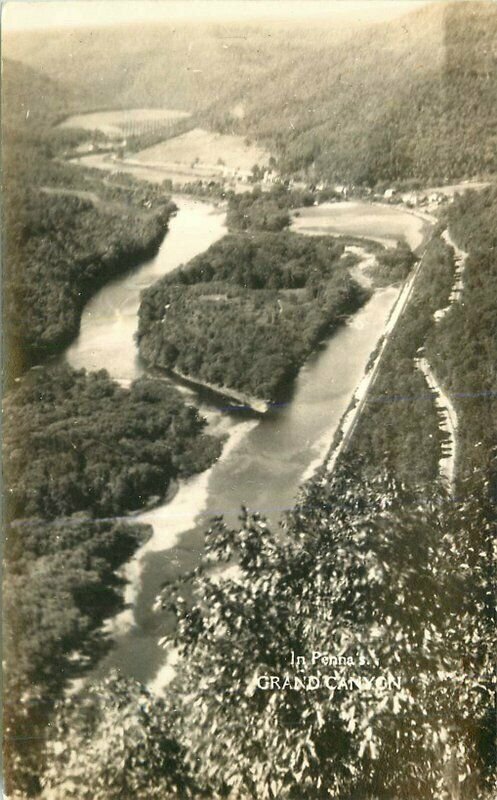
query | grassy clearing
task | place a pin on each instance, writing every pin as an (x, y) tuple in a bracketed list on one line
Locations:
[(206, 151), (125, 122), (384, 224)]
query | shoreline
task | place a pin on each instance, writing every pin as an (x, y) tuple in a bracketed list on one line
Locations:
[(133, 260), (348, 423), (241, 401)]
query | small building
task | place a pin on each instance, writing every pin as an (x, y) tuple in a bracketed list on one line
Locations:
[(389, 194), (410, 199)]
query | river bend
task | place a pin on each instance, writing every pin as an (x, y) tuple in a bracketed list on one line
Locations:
[(265, 459)]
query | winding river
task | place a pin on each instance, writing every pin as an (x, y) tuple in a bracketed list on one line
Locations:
[(265, 459)]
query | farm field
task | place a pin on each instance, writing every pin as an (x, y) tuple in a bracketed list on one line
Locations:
[(125, 122), (380, 223), (206, 153)]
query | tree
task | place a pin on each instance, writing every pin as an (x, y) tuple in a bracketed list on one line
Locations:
[(113, 740), (376, 574)]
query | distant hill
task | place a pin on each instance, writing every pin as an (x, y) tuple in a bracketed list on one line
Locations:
[(30, 99), (415, 97)]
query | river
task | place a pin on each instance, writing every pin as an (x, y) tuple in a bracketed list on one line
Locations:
[(265, 459)]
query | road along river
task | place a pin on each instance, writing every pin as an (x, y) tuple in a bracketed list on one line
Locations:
[(265, 458)]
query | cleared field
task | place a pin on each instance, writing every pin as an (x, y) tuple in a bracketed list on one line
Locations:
[(383, 224), (125, 122), (206, 153)]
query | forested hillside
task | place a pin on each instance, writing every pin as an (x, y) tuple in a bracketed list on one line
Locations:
[(415, 97), (80, 442), (79, 453), (67, 229), (79, 450), (31, 100), (399, 423)]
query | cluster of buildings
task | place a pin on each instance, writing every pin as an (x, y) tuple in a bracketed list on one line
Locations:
[(415, 199)]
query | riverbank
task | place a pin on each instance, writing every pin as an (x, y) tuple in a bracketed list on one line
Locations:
[(349, 421), (240, 400), (105, 267)]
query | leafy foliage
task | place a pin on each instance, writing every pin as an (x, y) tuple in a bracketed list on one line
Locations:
[(372, 571), (112, 740), (59, 585), (78, 441)]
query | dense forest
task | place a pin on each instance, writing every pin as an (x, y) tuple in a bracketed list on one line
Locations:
[(66, 236), (79, 452), (411, 98), (78, 441), (67, 229), (246, 313), (399, 422), (59, 585)]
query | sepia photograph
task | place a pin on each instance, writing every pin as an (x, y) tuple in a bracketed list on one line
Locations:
[(249, 366)]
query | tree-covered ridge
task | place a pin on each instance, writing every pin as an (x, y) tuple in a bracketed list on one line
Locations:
[(247, 312), (31, 100), (411, 98), (390, 578), (63, 239), (414, 98), (399, 422), (67, 229), (78, 441)]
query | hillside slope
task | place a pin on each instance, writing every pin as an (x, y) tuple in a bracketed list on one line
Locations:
[(31, 99), (414, 97)]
